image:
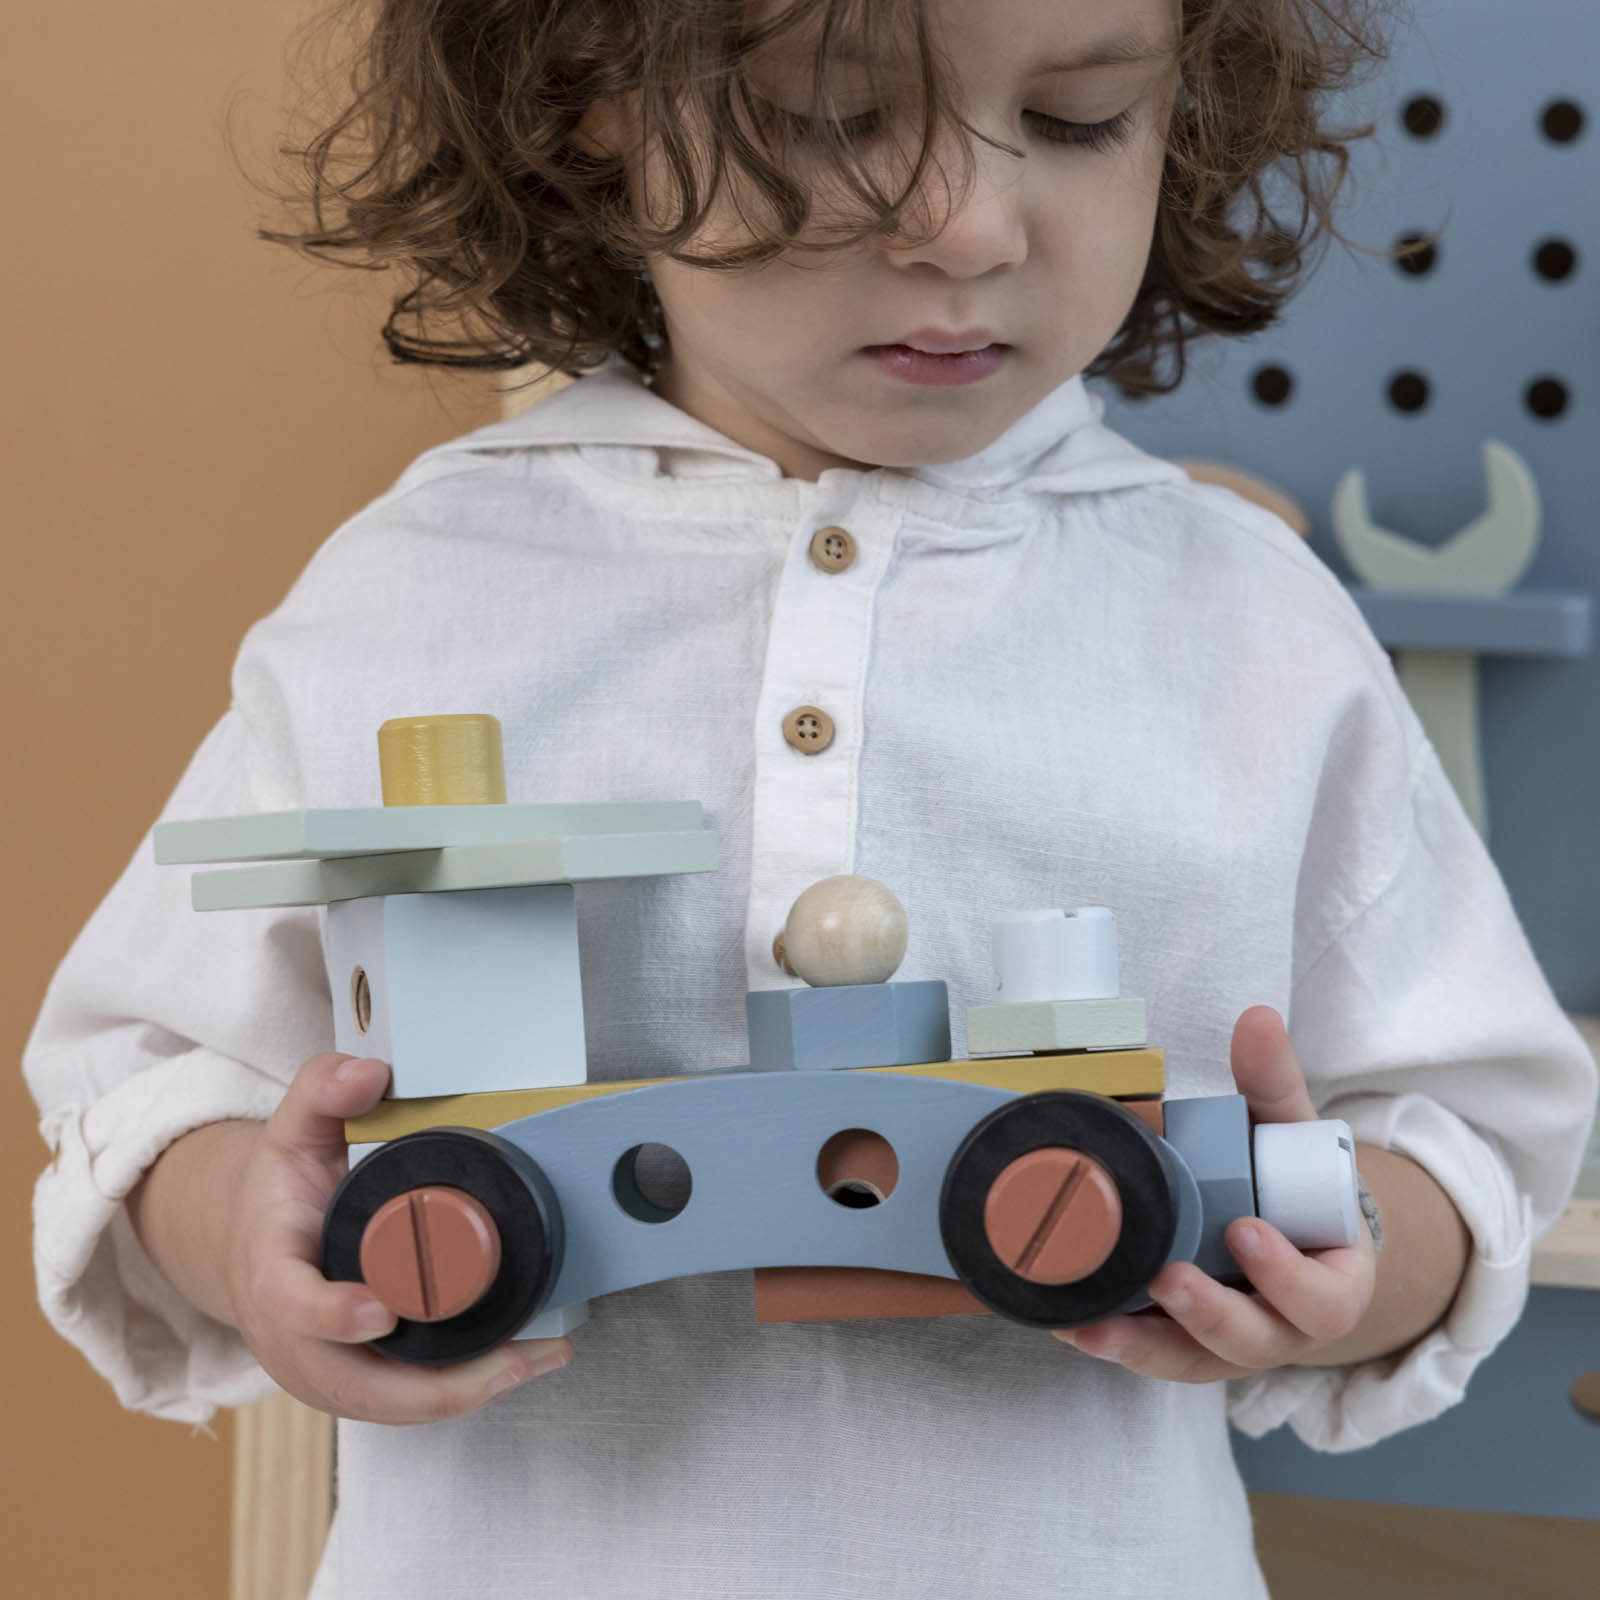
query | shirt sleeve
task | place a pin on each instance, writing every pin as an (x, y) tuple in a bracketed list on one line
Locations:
[(160, 1019), (1427, 1025)]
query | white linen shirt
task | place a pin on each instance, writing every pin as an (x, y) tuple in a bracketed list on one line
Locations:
[(1061, 674)]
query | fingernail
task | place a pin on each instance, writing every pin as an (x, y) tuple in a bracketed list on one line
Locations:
[(517, 1374), (1176, 1302), (346, 1070), (375, 1317), (1248, 1239), (550, 1363)]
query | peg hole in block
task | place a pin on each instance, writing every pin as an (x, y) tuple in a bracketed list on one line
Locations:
[(361, 999), (652, 1182), (858, 1168)]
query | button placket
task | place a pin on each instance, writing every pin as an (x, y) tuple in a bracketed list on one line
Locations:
[(808, 732)]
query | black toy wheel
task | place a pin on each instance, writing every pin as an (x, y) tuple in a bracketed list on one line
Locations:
[(506, 1183), (1127, 1151)]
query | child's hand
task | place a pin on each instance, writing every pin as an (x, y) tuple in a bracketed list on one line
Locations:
[(308, 1332), (1205, 1331)]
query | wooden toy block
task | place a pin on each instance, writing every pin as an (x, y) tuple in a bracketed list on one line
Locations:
[(828, 1294), (460, 992), (577, 858), (1117, 1074), (1109, 1024), (384, 830), (853, 1025)]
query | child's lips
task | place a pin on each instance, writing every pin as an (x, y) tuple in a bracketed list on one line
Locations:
[(911, 365)]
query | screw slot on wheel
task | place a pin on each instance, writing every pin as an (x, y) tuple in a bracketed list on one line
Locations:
[(462, 1232), (1057, 1209)]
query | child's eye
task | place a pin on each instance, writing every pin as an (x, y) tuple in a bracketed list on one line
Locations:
[(1094, 135), (866, 125)]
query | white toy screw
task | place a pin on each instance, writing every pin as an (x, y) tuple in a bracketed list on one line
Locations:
[(1056, 955)]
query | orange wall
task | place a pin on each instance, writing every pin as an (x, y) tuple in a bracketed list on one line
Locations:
[(187, 414)]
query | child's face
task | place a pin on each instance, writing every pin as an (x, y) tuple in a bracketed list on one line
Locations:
[(1043, 256)]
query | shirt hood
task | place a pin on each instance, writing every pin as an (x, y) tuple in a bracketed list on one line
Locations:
[(1061, 446)]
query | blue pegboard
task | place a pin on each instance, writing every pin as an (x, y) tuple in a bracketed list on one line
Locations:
[(1516, 1444), (1481, 328)]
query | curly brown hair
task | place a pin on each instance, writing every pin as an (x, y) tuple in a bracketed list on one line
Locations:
[(456, 156)]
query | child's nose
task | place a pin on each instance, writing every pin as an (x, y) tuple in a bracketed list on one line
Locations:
[(984, 224)]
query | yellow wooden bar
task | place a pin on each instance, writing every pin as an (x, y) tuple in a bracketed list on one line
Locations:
[(1117, 1073)]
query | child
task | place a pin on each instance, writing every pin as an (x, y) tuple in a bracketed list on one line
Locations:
[(837, 453)]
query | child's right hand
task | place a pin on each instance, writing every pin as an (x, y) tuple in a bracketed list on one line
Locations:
[(307, 1332)]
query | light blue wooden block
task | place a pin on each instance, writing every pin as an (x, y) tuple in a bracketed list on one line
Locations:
[(376, 830), (848, 1025), (470, 991), (1529, 623)]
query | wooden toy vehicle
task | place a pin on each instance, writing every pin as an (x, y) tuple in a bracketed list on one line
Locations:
[(852, 1164)]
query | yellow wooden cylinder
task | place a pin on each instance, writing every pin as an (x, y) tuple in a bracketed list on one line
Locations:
[(442, 761)]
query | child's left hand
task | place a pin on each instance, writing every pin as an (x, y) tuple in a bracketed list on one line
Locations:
[(1203, 1330)]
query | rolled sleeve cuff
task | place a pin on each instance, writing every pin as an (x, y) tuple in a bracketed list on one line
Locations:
[(1349, 1407), (96, 1285)]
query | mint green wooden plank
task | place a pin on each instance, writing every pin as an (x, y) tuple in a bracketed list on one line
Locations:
[(377, 830), (483, 866)]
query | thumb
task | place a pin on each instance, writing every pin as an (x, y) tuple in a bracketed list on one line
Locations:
[(1266, 1070), (327, 1089)]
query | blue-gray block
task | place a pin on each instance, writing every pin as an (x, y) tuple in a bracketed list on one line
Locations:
[(1213, 1135), (1530, 623), (851, 1025)]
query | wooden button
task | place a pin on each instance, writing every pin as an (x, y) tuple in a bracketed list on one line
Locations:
[(832, 548), (808, 729)]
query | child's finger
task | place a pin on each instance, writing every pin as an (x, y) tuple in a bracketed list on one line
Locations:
[(1323, 1296), (367, 1387), (1266, 1070), (308, 1305), (327, 1089)]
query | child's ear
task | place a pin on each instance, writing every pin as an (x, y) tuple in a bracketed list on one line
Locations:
[(603, 130)]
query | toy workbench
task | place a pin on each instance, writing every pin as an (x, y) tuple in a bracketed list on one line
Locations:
[(852, 1165)]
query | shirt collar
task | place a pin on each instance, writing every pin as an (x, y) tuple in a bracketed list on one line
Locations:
[(1061, 446)]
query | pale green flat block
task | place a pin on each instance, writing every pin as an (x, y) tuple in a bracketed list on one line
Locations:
[(1114, 1024), (482, 866), (377, 830)]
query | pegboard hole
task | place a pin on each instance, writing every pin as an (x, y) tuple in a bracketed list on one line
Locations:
[(1415, 254), (1562, 121), (361, 1000), (1409, 391), (652, 1182), (1422, 116), (1585, 1396), (1272, 385), (858, 1168), (1546, 398), (1554, 260)]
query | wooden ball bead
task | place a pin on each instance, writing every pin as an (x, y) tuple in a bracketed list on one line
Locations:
[(845, 930)]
